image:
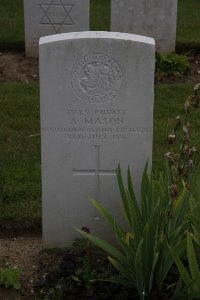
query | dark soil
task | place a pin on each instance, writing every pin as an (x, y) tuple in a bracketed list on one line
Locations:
[(21, 252), (65, 275), (26, 253), (16, 67), (71, 280), (15, 229)]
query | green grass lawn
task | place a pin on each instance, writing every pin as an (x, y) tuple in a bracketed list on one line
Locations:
[(20, 152), (100, 15), (169, 102), (11, 24), (12, 31), (20, 179), (188, 25)]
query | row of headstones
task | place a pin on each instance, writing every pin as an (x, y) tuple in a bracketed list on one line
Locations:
[(153, 18)]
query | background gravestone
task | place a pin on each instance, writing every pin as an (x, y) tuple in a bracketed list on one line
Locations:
[(47, 17), (154, 18), (97, 91)]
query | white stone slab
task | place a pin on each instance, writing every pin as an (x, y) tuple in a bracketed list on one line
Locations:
[(97, 91), (47, 17), (154, 18)]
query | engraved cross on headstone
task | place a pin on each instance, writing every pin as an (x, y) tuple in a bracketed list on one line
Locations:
[(97, 171)]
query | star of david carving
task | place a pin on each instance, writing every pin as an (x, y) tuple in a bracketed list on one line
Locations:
[(56, 14)]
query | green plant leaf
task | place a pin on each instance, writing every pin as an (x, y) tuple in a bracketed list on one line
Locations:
[(179, 249), (144, 193), (130, 184), (123, 194), (193, 265), (108, 248), (151, 278), (179, 209), (129, 252), (121, 281), (104, 212), (10, 277), (135, 221), (125, 273), (184, 274), (132, 203), (196, 236), (139, 273)]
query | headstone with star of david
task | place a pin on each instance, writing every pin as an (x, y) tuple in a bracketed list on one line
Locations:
[(96, 111), (47, 17), (154, 18)]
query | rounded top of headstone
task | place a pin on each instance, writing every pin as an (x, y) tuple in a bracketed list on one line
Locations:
[(97, 35)]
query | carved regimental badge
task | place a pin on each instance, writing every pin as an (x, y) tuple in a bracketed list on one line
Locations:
[(96, 78)]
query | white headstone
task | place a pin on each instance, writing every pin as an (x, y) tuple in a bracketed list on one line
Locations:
[(97, 91), (154, 18), (47, 17)]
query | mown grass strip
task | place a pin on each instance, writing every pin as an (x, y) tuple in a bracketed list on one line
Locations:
[(188, 24)]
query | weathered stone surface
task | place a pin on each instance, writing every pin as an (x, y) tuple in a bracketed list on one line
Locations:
[(47, 17), (154, 18), (96, 111)]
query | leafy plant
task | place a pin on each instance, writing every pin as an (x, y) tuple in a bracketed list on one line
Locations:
[(171, 64), (195, 214), (143, 257), (10, 277), (192, 278), (81, 245), (54, 293), (84, 274)]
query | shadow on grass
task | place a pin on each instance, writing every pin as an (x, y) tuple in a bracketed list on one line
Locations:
[(188, 47), (12, 47)]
